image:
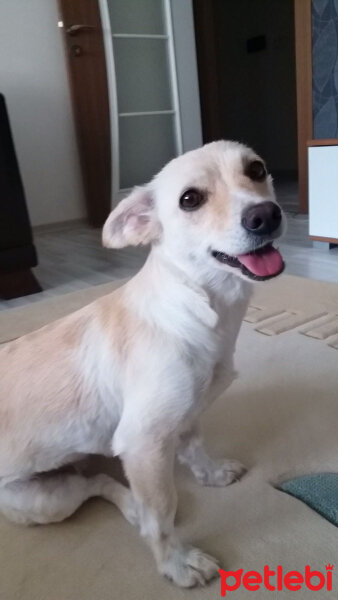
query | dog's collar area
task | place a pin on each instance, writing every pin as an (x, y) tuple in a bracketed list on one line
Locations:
[(260, 264)]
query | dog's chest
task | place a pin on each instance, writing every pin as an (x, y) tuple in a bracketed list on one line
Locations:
[(213, 368), (213, 363)]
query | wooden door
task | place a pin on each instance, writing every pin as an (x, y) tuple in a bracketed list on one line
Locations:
[(88, 81), (208, 68), (303, 38)]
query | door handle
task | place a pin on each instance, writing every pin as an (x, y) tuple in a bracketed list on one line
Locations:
[(75, 29)]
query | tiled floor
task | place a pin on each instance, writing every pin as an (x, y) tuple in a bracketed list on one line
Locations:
[(287, 194), (72, 257)]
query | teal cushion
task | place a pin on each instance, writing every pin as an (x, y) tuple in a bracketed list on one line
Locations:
[(319, 491)]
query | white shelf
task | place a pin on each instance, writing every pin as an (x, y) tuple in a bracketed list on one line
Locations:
[(145, 36), (147, 113)]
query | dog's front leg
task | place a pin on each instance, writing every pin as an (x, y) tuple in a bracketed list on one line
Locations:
[(206, 470), (149, 468)]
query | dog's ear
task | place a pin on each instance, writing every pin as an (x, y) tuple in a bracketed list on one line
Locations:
[(132, 222)]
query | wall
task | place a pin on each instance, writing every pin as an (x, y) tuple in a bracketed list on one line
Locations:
[(33, 79), (258, 90), (325, 68)]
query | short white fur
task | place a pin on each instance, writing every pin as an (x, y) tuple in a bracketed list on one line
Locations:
[(131, 374)]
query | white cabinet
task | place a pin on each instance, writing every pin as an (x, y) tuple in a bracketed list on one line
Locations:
[(323, 191)]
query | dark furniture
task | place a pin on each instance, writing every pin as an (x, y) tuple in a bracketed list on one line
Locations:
[(17, 251)]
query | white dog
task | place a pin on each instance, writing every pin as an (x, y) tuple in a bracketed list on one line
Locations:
[(131, 373)]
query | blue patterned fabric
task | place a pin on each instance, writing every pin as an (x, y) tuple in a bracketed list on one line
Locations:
[(319, 491), (325, 68)]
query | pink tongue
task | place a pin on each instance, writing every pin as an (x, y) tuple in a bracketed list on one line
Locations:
[(264, 263)]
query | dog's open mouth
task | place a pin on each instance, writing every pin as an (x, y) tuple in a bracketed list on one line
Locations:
[(260, 264)]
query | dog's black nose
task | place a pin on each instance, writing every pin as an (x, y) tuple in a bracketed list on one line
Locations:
[(262, 219)]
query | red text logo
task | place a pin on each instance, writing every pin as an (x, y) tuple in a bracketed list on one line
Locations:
[(276, 580)]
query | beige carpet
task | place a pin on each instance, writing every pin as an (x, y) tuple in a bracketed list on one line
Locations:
[(280, 417)]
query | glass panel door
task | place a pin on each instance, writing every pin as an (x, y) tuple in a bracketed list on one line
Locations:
[(142, 75), (137, 16), (146, 144), (147, 122)]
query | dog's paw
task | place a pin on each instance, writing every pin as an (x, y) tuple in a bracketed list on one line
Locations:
[(189, 567), (220, 473)]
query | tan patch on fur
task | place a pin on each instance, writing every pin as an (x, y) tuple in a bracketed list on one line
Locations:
[(119, 324), (72, 334), (35, 374), (216, 213), (259, 187)]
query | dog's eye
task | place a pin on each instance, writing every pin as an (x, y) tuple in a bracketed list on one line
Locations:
[(192, 199), (256, 170)]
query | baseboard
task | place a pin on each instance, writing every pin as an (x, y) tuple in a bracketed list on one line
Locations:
[(318, 238), (60, 226)]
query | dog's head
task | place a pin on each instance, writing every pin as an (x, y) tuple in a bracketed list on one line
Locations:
[(210, 209)]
